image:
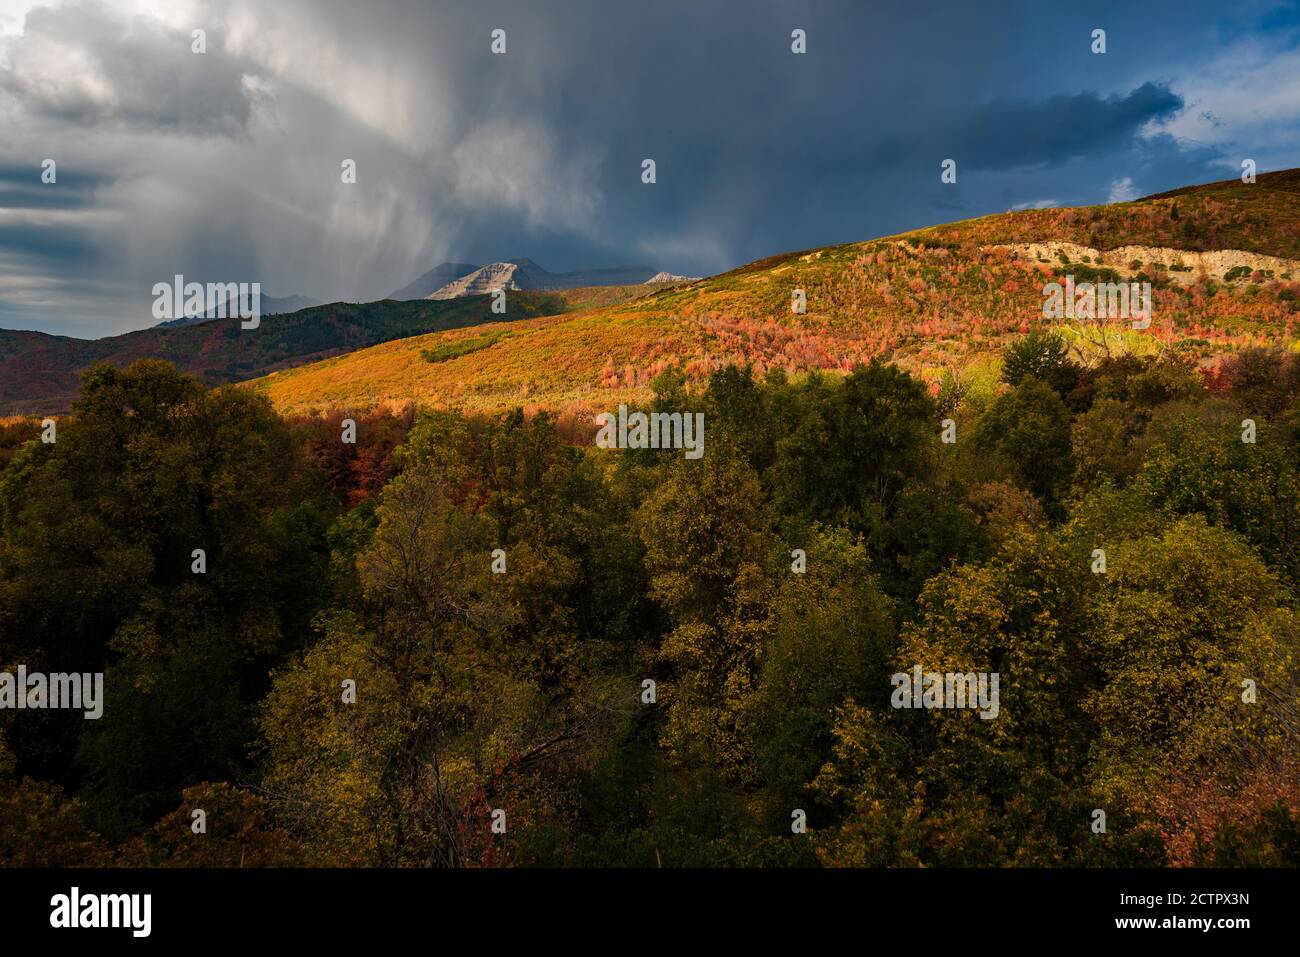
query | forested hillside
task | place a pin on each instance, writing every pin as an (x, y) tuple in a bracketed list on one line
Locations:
[(627, 657)]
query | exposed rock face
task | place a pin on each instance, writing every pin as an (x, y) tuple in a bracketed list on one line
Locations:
[(481, 281), (526, 274), (433, 280), (1183, 266), (670, 277)]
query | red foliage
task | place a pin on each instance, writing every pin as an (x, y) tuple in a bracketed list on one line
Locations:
[(355, 471)]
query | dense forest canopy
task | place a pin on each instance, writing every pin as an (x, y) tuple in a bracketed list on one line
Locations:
[(481, 640)]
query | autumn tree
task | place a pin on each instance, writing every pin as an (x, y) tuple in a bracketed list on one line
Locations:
[(707, 542), (169, 539)]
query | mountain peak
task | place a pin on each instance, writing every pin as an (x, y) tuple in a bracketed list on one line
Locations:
[(486, 279), (670, 277), (433, 280), (525, 273)]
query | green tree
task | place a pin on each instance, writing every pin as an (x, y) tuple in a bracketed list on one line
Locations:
[(832, 636), (855, 447), (706, 536), (1042, 355), (470, 693), (99, 532), (1028, 430)]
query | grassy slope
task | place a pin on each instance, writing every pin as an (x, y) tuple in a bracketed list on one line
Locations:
[(41, 373), (933, 300)]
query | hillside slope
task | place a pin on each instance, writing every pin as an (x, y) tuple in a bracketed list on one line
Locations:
[(40, 373), (940, 301)]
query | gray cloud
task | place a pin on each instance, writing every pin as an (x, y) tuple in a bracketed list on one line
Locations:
[(91, 65), (226, 166), (1011, 135), (21, 188)]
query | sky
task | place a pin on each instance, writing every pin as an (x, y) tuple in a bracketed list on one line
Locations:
[(226, 166)]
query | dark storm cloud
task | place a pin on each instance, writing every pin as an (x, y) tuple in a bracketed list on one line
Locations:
[(21, 188), (47, 244), (226, 165), (1008, 135)]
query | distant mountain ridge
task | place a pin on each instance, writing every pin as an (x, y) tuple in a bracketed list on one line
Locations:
[(524, 273), (432, 281), (270, 306)]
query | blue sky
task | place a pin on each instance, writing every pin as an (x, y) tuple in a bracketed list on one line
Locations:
[(225, 166)]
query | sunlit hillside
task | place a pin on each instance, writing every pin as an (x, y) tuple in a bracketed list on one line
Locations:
[(1223, 261), (40, 374)]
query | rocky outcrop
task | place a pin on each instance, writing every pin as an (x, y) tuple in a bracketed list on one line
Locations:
[(1182, 266), (662, 277), (526, 274), (480, 282), (433, 280)]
